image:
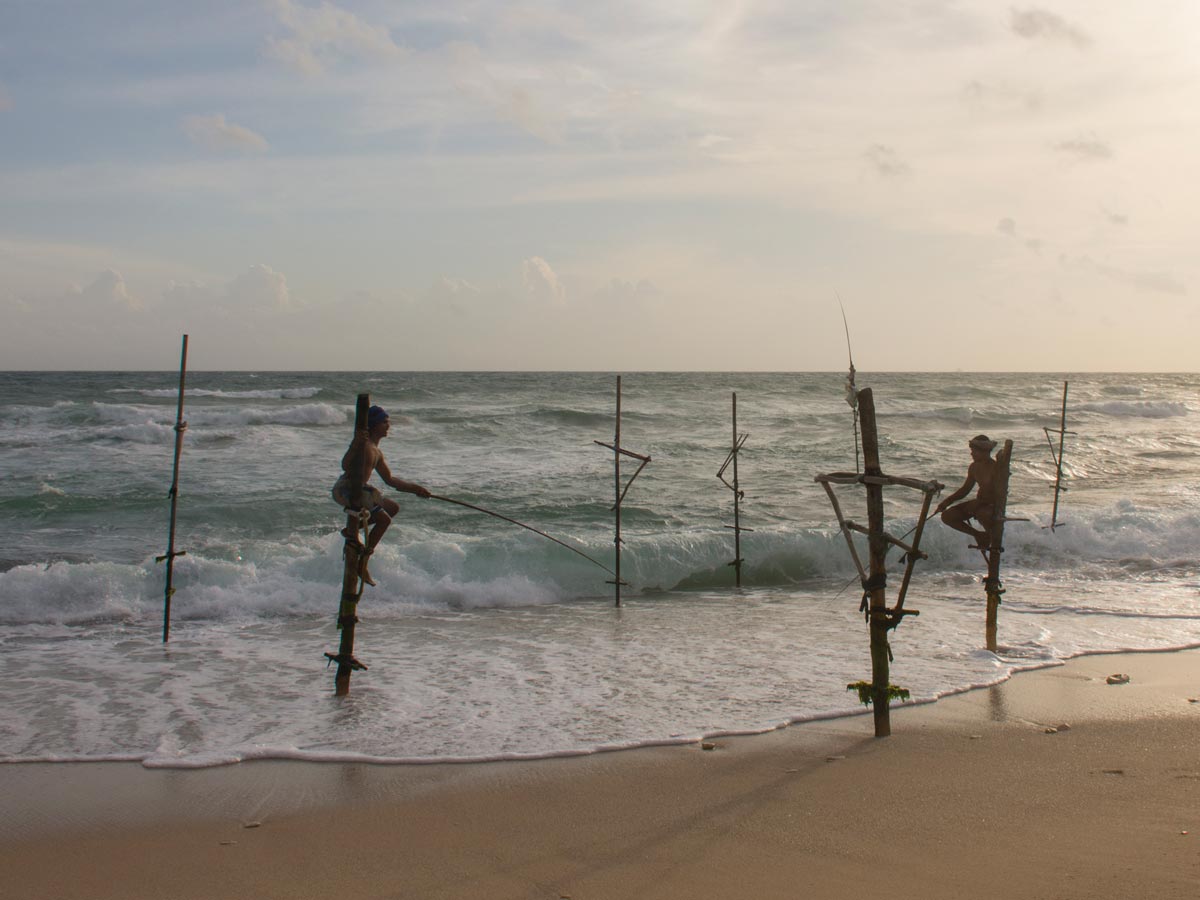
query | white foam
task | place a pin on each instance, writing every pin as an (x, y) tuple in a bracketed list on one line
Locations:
[(1145, 409)]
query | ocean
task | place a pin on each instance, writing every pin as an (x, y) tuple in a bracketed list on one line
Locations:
[(485, 641)]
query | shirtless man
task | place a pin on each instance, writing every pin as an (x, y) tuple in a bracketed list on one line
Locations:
[(981, 472), (382, 508)]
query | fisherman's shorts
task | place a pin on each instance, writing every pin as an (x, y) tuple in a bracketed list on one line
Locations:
[(372, 498)]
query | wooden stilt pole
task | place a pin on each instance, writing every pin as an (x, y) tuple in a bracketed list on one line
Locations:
[(877, 544), (180, 428), (880, 620), (353, 556), (737, 498), (617, 496), (731, 459), (618, 452), (1058, 458), (993, 586)]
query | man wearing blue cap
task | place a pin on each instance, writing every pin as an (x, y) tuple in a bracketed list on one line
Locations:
[(382, 508)]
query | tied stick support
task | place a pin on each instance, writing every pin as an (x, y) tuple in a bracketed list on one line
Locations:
[(738, 494), (1062, 433), (169, 556), (618, 452), (355, 558)]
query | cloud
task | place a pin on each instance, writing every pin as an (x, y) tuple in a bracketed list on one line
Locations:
[(323, 35), (1158, 282), (511, 92), (1002, 96), (1008, 227), (5, 99), (1040, 24), (541, 283), (886, 161), (260, 287), (215, 133), (1090, 149), (453, 295), (1114, 218), (109, 289), (620, 292)]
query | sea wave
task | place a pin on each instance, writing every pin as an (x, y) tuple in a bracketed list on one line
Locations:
[(299, 393), (1145, 409), (505, 568)]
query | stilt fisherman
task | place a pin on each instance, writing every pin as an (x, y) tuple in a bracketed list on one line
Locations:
[(382, 508)]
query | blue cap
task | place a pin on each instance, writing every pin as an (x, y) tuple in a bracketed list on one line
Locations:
[(375, 415)]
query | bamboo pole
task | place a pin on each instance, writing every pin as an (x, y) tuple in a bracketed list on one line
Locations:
[(353, 556), (180, 428), (877, 545), (993, 586)]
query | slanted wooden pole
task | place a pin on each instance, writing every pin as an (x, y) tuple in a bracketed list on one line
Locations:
[(353, 557), (877, 544), (180, 428), (993, 586)]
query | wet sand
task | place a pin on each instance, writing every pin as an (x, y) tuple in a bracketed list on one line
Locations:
[(981, 795)]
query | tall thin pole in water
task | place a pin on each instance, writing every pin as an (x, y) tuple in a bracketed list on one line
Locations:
[(737, 519), (1058, 458), (993, 586), (618, 452), (617, 495), (180, 428), (354, 556), (731, 459)]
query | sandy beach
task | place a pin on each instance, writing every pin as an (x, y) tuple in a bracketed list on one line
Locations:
[(984, 794)]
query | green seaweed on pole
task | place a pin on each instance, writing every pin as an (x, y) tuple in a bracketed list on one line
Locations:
[(866, 690), (173, 493)]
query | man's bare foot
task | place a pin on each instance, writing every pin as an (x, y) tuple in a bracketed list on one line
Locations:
[(362, 568)]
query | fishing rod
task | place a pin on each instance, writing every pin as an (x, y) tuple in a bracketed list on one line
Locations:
[(522, 525), (851, 390)]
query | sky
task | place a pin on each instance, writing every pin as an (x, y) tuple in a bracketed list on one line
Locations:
[(613, 186)]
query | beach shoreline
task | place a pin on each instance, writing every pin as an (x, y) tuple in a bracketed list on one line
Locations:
[(982, 793)]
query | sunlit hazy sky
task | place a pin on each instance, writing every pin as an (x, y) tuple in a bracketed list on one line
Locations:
[(600, 185)]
